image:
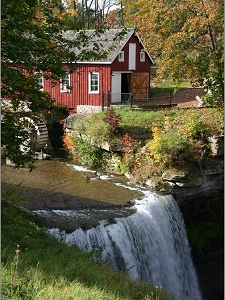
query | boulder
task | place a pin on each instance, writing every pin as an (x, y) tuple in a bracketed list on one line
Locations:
[(216, 144)]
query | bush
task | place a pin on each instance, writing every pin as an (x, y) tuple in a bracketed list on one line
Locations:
[(167, 146), (112, 119), (95, 128), (167, 138), (90, 155)]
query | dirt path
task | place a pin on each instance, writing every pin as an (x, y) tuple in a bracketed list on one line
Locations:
[(187, 97), (184, 98)]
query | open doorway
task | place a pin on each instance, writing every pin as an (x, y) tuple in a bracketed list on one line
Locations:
[(120, 87)]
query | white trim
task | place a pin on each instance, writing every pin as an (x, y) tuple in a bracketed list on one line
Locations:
[(91, 62), (132, 56), (116, 87), (64, 86), (125, 42), (142, 56), (40, 80), (121, 56), (125, 72), (90, 83), (146, 50)]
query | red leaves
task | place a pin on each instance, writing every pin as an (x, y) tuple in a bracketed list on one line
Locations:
[(112, 119)]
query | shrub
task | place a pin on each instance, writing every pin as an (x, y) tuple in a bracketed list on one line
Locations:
[(194, 127), (88, 154), (95, 128), (112, 119), (69, 143), (120, 166), (167, 146)]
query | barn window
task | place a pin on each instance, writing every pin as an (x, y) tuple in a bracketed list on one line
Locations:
[(65, 83), (142, 56), (132, 56), (121, 56), (40, 80), (93, 83)]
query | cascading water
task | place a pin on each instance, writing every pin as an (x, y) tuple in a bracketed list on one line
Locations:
[(151, 243)]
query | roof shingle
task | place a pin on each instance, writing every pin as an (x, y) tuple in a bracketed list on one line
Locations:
[(110, 41)]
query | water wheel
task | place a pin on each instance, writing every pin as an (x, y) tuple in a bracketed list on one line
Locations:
[(38, 132)]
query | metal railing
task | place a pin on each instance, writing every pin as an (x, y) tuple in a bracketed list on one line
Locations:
[(136, 101), (117, 99)]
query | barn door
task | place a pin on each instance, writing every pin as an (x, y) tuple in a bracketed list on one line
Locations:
[(139, 83)]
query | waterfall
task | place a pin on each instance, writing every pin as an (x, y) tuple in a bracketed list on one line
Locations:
[(151, 244)]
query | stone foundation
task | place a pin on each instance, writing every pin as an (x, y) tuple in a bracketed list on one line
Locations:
[(88, 109)]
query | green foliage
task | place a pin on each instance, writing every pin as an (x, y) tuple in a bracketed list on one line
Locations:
[(33, 44), (214, 96), (120, 166), (153, 141), (186, 39), (11, 198), (200, 233), (167, 146), (194, 127), (95, 128), (89, 154)]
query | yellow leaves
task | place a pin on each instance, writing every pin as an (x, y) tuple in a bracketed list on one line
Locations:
[(69, 12), (173, 29), (155, 131)]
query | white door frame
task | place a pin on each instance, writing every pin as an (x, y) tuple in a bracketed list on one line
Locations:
[(116, 87)]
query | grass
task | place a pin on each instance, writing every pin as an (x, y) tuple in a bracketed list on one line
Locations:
[(169, 139), (140, 122), (37, 266), (165, 87)]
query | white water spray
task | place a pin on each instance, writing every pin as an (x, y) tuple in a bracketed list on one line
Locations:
[(152, 244)]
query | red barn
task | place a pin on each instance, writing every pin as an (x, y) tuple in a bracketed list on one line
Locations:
[(126, 69)]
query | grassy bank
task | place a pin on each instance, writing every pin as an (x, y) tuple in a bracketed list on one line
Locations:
[(37, 266), (151, 142)]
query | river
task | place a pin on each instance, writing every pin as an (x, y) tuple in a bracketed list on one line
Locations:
[(53, 185)]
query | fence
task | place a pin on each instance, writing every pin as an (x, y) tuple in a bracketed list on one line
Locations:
[(117, 99), (136, 101)]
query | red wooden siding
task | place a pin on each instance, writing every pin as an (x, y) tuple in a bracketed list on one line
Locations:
[(140, 66), (79, 81)]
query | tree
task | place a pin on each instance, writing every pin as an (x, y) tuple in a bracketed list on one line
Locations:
[(185, 37), (32, 42), (92, 13)]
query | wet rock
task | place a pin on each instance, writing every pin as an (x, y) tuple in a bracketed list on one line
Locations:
[(216, 145)]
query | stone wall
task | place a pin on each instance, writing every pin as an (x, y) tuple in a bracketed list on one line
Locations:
[(88, 109)]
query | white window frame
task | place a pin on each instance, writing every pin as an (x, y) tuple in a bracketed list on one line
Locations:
[(93, 85), (132, 56), (142, 56), (40, 80), (121, 56), (65, 83)]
